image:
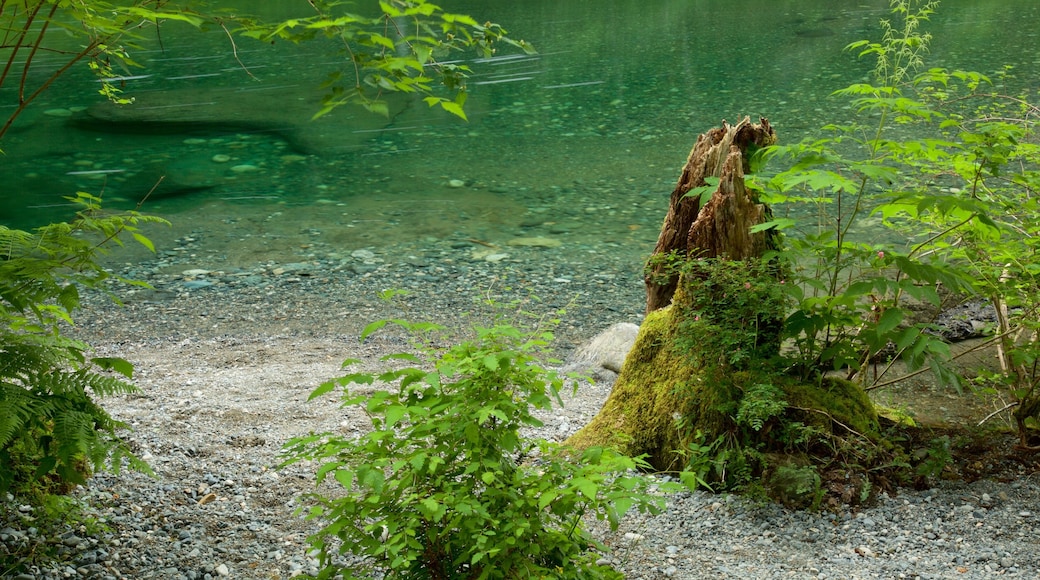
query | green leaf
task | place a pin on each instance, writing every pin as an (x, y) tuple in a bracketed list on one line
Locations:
[(345, 477), (777, 224), (393, 414), (372, 327), (322, 389), (547, 498), (119, 365), (889, 320), (454, 109), (586, 487), (144, 241), (431, 509)]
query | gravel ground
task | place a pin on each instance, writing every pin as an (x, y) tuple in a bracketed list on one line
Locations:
[(226, 359)]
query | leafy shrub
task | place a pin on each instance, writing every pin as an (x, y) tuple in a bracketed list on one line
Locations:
[(445, 486), (52, 432)]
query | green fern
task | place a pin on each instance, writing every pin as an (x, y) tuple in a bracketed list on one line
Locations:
[(53, 433)]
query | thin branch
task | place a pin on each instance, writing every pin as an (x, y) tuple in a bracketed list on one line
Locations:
[(150, 192), (977, 347), (32, 53), (19, 43), (23, 105), (234, 50), (997, 412)]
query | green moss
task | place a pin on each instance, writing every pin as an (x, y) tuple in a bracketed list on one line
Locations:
[(652, 390), (897, 416), (681, 383), (834, 402)]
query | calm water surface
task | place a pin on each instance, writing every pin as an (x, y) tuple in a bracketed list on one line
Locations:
[(580, 143)]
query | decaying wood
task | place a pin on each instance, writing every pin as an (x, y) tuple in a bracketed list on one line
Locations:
[(722, 226)]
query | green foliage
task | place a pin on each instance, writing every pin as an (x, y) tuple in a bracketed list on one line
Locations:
[(445, 486), (748, 416), (393, 52), (52, 432), (796, 485), (935, 459), (958, 182), (103, 32), (698, 460), (760, 403), (739, 305), (401, 50)]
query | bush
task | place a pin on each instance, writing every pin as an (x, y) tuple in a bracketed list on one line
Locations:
[(52, 432), (445, 486)]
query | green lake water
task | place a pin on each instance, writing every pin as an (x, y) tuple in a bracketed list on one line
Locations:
[(581, 142)]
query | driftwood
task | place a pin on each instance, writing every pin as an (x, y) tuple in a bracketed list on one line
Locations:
[(722, 227)]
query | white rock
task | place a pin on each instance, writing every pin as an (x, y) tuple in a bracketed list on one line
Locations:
[(221, 158), (456, 183), (194, 272), (245, 168), (222, 570), (495, 257), (606, 351)]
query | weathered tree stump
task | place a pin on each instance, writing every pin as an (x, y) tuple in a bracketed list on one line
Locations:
[(703, 361), (722, 227)]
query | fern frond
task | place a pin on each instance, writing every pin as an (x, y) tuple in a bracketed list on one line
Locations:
[(16, 407)]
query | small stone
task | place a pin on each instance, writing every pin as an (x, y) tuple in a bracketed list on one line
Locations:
[(456, 183), (222, 570), (495, 257), (221, 158), (633, 537), (58, 113), (245, 168), (865, 552), (363, 255), (194, 273)]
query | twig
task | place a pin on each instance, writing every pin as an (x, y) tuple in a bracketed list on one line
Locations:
[(831, 417), (997, 412), (234, 50)]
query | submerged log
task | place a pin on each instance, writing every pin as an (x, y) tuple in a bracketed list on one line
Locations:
[(722, 227)]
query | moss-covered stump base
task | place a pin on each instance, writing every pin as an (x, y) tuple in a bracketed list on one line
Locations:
[(742, 427)]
